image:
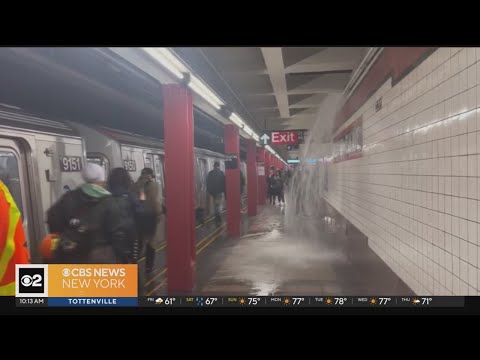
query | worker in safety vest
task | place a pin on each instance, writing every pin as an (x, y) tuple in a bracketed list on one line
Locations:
[(12, 241)]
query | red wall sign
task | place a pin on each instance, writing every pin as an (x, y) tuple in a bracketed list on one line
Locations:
[(284, 137)]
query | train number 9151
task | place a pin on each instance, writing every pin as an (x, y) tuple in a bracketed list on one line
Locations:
[(71, 163)]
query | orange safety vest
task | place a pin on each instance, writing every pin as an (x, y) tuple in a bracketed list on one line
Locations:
[(12, 241)]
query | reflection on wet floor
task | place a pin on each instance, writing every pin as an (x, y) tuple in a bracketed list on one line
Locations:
[(309, 256)]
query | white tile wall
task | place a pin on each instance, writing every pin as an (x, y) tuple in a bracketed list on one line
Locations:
[(415, 192)]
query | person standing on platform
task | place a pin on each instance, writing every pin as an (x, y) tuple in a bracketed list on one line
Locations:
[(280, 193), (242, 188), (147, 188), (216, 187), (270, 191), (276, 187)]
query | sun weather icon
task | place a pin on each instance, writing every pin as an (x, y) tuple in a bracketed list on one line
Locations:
[(199, 301)]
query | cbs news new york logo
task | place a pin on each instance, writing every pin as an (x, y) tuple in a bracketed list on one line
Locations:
[(31, 280), (76, 280)]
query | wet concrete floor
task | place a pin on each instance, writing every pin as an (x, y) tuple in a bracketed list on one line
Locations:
[(308, 257)]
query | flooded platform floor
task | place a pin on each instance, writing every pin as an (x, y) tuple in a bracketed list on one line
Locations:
[(308, 259)]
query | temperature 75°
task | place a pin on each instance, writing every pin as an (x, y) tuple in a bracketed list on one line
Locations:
[(253, 301)]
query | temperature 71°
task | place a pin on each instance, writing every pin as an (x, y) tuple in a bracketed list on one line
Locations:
[(426, 301)]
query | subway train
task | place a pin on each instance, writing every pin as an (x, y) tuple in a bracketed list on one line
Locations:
[(40, 159)]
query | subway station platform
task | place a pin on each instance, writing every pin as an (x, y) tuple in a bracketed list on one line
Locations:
[(315, 257)]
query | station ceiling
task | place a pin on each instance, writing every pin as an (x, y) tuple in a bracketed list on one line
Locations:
[(275, 88)]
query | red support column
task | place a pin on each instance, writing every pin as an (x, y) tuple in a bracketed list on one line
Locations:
[(179, 188), (252, 191), (232, 181), (261, 181)]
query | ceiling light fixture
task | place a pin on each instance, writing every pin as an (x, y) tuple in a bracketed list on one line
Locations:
[(176, 67)]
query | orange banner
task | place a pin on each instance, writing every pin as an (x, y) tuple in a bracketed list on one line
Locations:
[(92, 280)]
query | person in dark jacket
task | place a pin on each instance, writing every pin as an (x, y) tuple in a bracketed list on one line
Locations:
[(90, 223), (270, 191), (131, 208), (147, 188), (278, 186), (242, 188), (216, 187)]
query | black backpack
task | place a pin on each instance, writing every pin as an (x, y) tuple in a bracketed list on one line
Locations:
[(78, 239)]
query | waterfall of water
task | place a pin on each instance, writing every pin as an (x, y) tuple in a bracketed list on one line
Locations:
[(309, 180)]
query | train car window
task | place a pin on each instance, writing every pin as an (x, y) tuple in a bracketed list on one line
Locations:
[(99, 160), (148, 159), (10, 175)]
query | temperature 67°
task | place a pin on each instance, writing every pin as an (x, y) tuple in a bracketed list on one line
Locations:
[(211, 301)]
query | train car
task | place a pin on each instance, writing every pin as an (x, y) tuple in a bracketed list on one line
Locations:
[(112, 148), (40, 159)]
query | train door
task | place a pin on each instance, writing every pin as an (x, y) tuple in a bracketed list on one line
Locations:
[(13, 173), (148, 160), (156, 163), (158, 168)]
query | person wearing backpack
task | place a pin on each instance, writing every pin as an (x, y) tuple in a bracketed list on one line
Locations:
[(216, 187), (131, 208), (89, 224)]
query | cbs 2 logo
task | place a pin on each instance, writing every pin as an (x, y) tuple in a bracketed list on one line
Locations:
[(34, 281)]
